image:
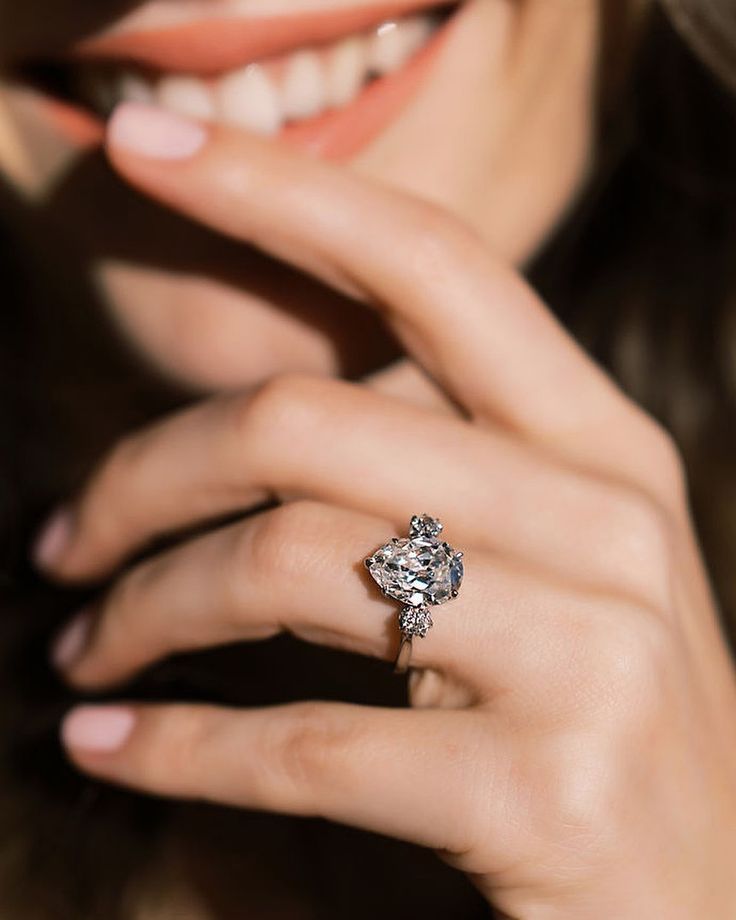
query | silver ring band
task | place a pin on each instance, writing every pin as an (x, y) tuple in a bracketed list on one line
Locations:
[(403, 656)]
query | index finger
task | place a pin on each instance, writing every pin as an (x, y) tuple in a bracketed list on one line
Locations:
[(471, 321)]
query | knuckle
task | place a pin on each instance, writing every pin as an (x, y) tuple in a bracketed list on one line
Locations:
[(276, 543), (307, 746), (630, 663), (277, 405), (172, 751), (666, 461), (438, 239), (642, 535)]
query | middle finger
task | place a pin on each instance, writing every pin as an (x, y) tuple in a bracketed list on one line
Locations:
[(340, 443)]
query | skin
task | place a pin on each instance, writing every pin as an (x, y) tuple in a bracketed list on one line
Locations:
[(570, 742), (214, 316), (570, 745)]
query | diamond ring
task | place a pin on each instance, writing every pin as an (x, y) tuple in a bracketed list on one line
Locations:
[(419, 571)]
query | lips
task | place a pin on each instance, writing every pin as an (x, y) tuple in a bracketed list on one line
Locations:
[(216, 45), (328, 82)]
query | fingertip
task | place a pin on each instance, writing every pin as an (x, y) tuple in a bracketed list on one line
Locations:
[(153, 132), (71, 643), (54, 540), (97, 729)]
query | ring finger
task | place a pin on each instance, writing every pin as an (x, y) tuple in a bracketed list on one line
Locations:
[(296, 568), (327, 440), (299, 568)]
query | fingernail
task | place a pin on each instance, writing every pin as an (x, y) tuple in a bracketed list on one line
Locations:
[(98, 729), (150, 131), (54, 538), (72, 641)]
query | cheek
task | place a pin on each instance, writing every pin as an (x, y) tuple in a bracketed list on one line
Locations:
[(510, 118)]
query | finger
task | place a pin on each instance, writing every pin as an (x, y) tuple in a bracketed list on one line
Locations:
[(295, 435), (404, 379), (467, 318), (326, 440), (299, 568), (384, 770)]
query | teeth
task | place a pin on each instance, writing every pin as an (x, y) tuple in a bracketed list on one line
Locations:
[(394, 43), (260, 97), (417, 31), (186, 96), (248, 99), (386, 49), (346, 69), (303, 93)]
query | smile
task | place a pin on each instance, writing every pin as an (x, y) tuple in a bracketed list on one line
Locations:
[(325, 81)]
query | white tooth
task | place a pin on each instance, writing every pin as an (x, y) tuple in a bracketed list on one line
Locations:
[(247, 98), (346, 70), (185, 95), (134, 88), (387, 49), (417, 31), (303, 93)]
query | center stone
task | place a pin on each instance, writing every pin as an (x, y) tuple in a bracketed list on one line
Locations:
[(417, 570)]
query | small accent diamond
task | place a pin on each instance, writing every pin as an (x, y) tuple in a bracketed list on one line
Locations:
[(415, 621), (424, 524)]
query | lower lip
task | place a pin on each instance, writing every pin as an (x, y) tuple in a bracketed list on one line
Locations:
[(336, 135)]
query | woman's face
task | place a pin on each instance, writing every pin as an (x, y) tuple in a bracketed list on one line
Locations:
[(484, 107)]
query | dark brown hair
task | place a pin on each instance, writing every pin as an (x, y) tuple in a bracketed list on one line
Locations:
[(642, 272), (709, 27)]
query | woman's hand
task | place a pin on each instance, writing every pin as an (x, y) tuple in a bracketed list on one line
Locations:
[(572, 744)]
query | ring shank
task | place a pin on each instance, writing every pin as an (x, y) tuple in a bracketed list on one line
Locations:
[(403, 658)]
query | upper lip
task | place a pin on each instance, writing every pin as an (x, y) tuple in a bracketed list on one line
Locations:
[(218, 44)]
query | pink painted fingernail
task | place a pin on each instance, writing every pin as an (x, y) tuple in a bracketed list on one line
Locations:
[(72, 640), (98, 729), (150, 131), (54, 538)]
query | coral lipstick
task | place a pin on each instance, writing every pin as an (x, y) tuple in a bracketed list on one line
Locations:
[(215, 45)]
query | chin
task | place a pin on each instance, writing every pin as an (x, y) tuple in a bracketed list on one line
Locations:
[(211, 335)]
